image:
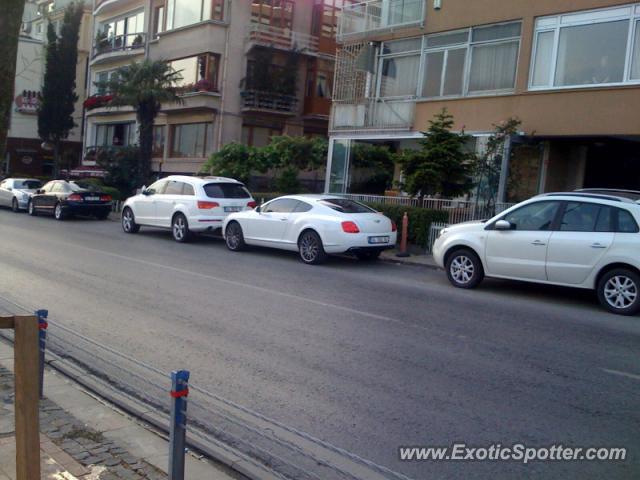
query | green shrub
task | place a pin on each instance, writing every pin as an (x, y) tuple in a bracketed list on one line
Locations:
[(420, 220)]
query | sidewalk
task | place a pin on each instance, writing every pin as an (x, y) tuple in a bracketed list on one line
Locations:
[(417, 258), (83, 438)]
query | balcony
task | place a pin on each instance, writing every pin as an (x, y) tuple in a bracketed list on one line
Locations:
[(269, 102), (117, 46), (280, 38), (377, 16), (373, 115)]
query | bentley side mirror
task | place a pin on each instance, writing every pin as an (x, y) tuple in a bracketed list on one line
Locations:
[(502, 225), (258, 208)]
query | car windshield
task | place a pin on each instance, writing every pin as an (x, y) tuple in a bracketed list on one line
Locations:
[(345, 205), (226, 190), (28, 184)]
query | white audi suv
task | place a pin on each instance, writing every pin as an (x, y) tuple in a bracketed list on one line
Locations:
[(578, 239), (186, 205)]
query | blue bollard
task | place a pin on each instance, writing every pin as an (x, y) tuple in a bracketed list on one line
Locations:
[(178, 431), (42, 337)]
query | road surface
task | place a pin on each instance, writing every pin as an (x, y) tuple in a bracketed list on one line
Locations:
[(366, 356)]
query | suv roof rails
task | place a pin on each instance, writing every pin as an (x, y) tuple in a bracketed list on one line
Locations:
[(598, 196)]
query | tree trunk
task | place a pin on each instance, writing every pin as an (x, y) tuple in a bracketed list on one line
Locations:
[(146, 115), (10, 21)]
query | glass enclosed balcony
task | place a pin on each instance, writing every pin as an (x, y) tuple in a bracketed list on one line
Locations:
[(372, 16)]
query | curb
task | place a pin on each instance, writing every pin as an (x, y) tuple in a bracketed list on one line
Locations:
[(401, 261), (154, 423)]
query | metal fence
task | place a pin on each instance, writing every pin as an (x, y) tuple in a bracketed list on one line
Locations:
[(215, 424)]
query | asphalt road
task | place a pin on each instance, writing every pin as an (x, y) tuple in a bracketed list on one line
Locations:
[(366, 356)]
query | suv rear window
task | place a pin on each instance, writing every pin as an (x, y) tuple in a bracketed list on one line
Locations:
[(345, 205), (226, 190)]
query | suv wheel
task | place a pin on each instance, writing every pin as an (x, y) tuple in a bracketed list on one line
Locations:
[(14, 205), (180, 228), (234, 237), (619, 291), (464, 269), (311, 249)]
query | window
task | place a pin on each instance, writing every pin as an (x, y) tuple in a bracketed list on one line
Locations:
[(157, 187), (58, 188), (123, 32), (181, 13), (283, 205), (533, 217), (48, 186), (302, 207), (599, 47), (346, 206), (115, 134), (102, 78), (626, 222), (605, 220), (158, 20), (173, 188), (580, 217), (258, 136), (473, 61), (27, 184), (192, 140), (400, 68), (158, 140), (226, 190), (187, 189), (199, 72)]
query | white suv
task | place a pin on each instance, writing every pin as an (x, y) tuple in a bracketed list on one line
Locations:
[(578, 240), (186, 205)]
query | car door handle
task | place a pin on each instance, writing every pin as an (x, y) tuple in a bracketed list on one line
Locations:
[(283, 219), (598, 245), (538, 243)]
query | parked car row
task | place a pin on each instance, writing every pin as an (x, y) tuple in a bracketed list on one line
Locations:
[(59, 198), (586, 239), (313, 225)]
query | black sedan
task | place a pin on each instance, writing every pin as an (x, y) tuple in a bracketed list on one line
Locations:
[(63, 199)]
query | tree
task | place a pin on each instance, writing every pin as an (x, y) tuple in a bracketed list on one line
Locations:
[(442, 165), (144, 86), (55, 117), (235, 160), (122, 167), (488, 166), (10, 21), (373, 168), (290, 155)]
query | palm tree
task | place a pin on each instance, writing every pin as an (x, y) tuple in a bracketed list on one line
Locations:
[(144, 86)]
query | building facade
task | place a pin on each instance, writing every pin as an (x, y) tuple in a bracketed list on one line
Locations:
[(25, 155), (569, 71), (250, 69)]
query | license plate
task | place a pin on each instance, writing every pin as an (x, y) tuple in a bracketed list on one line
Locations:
[(378, 240), (92, 199), (232, 209)]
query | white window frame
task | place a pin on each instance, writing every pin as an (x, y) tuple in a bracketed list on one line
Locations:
[(630, 12), (386, 56), (469, 44)]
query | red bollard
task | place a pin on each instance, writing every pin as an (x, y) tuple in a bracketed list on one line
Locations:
[(403, 239)]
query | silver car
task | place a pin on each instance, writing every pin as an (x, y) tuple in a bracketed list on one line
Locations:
[(16, 192)]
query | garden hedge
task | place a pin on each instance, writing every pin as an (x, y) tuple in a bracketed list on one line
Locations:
[(420, 220)]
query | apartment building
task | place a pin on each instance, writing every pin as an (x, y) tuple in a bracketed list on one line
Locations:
[(570, 71), (251, 69), (25, 154)]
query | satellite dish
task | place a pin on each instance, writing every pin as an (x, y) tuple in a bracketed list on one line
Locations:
[(46, 146)]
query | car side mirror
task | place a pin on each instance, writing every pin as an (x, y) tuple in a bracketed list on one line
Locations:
[(148, 191), (9, 188), (40, 191), (502, 225), (258, 208)]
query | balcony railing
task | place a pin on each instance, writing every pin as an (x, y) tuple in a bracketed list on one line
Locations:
[(270, 102), (376, 15), (119, 43), (91, 152), (282, 38), (373, 114)]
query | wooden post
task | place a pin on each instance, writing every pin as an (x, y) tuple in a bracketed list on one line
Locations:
[(26, 374)]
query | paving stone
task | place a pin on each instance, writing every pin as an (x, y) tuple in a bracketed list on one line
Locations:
[(98, 450), (80, 455), (112, 462)]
